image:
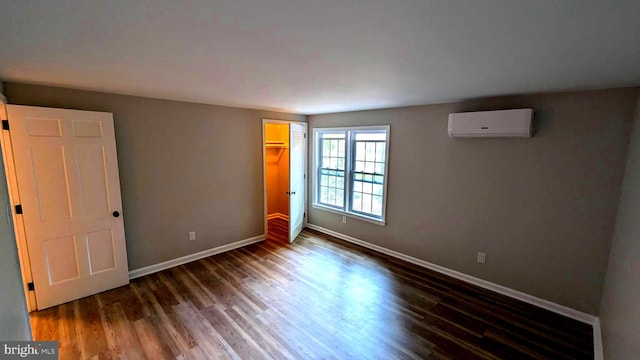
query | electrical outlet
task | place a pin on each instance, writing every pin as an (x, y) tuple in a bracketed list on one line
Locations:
[(192, 235), (344, 219), (482, 257)]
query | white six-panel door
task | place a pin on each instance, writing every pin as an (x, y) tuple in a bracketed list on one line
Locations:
[(69, 187), (297, 155)]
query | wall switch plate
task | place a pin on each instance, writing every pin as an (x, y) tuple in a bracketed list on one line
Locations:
[(192, 235), (482, 257), (344, 219)]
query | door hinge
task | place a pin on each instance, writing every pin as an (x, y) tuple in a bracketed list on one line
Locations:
[(305, 135), (18, 209), (5, 124), (31, 287), (304, 215)]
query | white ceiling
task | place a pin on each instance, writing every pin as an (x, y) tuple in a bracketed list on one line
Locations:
[(320, 56)]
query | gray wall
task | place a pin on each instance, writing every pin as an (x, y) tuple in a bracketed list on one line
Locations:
[(183, 167), (620, 311), (542, 209), (14, 318)]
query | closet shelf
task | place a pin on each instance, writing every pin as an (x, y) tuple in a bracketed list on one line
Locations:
[(276, 144)]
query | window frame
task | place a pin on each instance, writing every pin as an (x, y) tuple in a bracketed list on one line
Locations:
[(350, 144), (317, 171)]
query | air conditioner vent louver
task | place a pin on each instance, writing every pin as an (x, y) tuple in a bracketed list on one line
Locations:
[(484, 124)]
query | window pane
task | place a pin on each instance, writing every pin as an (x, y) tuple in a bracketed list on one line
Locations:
[(371, 136), (379, 168), (357, 186), (366, 203), (359, 166), (358, 176), (371, 151), (379, 179), (376, 206), (338, 134), (380, 151), (369, 167), (369, 178), (360, 151), (340, 198), (334, 148), (331, 169), (377, 189), (367, 188), (357, 201)]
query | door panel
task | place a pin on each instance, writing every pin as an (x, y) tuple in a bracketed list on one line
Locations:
[(67, 173), (87, 128), (48, 166), (44, 127), (100, 246), (94, 190), (62, 259), (297, 151)]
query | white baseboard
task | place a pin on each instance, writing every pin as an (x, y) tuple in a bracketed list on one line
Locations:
[(545, 304), (193, 257), (278, 216), (594, 321)]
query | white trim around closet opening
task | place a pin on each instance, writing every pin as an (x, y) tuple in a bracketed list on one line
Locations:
[(264, 170)]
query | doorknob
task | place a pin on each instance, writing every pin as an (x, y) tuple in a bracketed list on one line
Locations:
[(116, 213)]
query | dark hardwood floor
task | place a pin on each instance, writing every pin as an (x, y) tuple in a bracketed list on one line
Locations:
[(318, 298)]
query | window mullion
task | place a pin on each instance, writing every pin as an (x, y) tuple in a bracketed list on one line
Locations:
[(319, 169), (348, 172)]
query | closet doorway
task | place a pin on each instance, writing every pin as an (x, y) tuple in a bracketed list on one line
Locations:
[(284, 160)]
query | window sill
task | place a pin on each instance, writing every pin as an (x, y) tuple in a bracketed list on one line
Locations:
[(348, 214)]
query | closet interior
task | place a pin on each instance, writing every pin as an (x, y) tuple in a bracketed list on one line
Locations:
[(277, 176)]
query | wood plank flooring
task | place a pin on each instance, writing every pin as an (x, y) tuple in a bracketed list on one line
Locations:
[(319, 298)]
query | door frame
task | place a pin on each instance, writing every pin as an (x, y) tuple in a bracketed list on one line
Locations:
[(264, 169), (14, 199)]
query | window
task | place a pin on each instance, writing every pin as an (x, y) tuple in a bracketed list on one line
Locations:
[(351, 171)]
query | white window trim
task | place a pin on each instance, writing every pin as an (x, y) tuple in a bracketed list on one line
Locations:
[(314, 174)]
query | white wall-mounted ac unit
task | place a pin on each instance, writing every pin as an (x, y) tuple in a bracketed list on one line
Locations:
[(499, 123)]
